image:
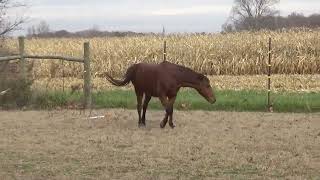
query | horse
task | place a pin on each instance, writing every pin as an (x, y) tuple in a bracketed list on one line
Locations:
[(163, 81)]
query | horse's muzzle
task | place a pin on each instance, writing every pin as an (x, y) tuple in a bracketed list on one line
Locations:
[(212, 100)]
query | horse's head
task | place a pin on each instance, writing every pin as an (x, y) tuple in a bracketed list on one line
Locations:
[(205, 89)]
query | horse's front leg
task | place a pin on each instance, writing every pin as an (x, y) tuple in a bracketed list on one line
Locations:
[(164, 121), (171, 118), (172, 100), (168, 105)]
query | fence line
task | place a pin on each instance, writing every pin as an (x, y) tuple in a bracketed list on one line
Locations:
[(85, 60), (9, 58), (72, 59)]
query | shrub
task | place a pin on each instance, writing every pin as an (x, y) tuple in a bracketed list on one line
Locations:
[(19, 89)]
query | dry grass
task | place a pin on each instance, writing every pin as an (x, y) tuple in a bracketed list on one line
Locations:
[(205, 145), (302, 83), (295, 52)]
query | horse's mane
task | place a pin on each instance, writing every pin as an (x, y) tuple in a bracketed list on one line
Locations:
[(183, 69)]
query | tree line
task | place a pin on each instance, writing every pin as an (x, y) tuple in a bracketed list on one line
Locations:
[(294, 20), (262, 14), (42, 30)]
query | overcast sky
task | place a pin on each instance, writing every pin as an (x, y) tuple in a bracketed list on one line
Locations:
[(145, 15)]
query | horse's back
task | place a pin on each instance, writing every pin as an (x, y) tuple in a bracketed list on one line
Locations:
[(150, 77), (154, 71)]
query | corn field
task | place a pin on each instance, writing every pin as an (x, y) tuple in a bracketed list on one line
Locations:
[(243, 53)]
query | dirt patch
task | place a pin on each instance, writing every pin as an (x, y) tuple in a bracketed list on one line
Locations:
[(204, 145)]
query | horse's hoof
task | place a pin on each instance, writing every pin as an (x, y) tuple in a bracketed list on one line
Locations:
[(141, 125), (172, 126), (162, 125)]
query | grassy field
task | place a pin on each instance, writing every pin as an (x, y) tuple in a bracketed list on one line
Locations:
[(227, 100), (294, 52), (204, 145)]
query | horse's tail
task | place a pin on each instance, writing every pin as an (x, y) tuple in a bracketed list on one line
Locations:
[(127, 78)]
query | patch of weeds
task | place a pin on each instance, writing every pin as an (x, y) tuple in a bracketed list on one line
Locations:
[(19, 93), (25, 167), (92, 171), (243, 170)]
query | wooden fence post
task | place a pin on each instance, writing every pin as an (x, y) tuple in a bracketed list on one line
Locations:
[(22, 59), (87, 75), (165, 51), (269, 77)]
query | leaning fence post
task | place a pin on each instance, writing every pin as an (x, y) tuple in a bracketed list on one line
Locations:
[(269, 77), (87, 74), (22, 59)]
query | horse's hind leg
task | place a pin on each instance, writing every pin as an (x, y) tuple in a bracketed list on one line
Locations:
[(139, 107), (145, 106), (170, 111)]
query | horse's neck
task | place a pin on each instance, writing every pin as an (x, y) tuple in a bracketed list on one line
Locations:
[(189, 79)]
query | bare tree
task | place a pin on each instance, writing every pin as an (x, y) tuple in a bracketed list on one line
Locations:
[(40, 30), (31, 31), (7, 22), (43, 27), (249, 14)]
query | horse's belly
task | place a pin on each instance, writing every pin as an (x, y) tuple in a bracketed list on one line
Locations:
[(147, 85), (151, 90)]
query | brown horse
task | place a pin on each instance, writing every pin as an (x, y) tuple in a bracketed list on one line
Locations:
[(163, 81)]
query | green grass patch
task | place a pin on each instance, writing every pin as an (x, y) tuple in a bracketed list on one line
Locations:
[(227, 100)]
